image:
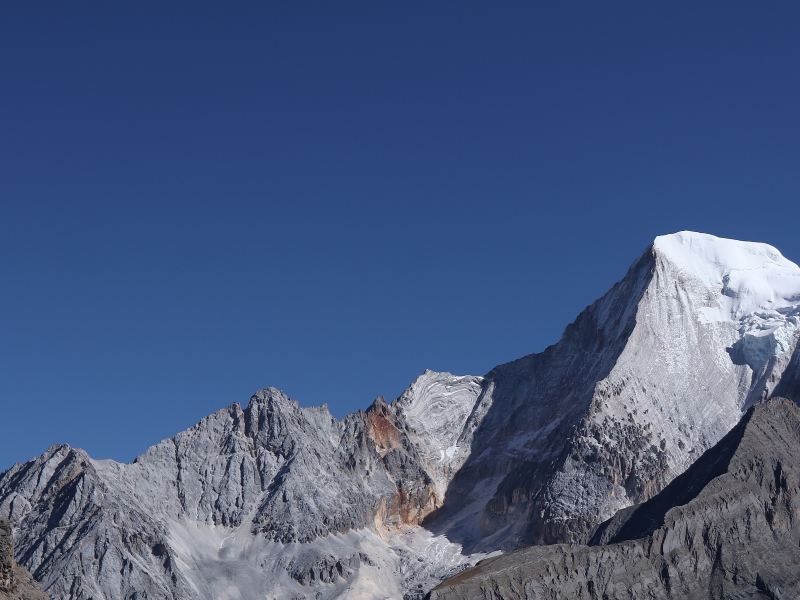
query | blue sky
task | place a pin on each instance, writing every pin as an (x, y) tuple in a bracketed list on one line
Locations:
[(330, 198)]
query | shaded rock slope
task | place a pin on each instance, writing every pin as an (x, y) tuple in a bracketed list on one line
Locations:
[(275, 500), (728, 528), (15, 582)]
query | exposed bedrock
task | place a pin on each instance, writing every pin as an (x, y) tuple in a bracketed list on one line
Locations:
[(727, 528)]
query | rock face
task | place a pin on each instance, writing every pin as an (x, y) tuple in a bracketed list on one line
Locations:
[(729, 527), (273, 498), (15, 582), (288, 498), (610, 414)]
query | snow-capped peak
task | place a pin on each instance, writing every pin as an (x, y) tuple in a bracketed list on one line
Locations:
[(751, 276), (748, 288)]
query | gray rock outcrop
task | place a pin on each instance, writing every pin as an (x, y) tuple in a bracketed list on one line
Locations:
[(729, 527), (287, 495)]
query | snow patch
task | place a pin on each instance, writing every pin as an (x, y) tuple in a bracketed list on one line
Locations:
[(747, 276), (222, 563)]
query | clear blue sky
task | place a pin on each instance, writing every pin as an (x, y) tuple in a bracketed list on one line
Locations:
[(331, 197)]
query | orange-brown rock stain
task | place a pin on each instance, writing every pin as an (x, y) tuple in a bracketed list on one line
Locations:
[(382, 432), (406, 507)]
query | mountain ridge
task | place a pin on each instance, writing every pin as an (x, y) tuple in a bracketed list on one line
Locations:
[(538, 450), (731, 534)]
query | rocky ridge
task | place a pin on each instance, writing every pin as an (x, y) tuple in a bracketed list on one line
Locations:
[(268, 483), (389, 501), (729, 527), (610, 414)]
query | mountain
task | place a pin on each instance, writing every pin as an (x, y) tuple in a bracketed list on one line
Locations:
[(287, 498), (610, 414), (729, 527), (15, 582), (273, 497)]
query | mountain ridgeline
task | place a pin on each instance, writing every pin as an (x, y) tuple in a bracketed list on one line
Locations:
[(726, 528), (273, 500)]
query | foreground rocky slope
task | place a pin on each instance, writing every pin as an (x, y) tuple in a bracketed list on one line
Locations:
[(727, 528), (279, 499), (15, 582)]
